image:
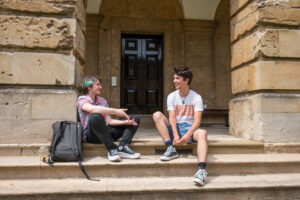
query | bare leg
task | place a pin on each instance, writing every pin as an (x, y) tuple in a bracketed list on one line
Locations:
[(161, 123), (200, 136)]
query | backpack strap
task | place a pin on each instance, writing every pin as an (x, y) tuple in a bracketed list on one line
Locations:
[(84, 172)]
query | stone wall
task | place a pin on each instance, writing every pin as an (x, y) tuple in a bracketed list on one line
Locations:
[(265, 70), (222, 55), (41, 63)]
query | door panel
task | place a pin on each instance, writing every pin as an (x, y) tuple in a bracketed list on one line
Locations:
[(141, 74)]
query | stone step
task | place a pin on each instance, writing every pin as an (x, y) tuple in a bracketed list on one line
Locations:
[(146, 121), (259, 187), (27, 167), (145, 147)]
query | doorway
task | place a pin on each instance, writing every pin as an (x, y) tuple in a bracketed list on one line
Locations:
[(141, 73)]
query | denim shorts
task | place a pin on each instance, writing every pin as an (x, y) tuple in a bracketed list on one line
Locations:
[(182, 128)]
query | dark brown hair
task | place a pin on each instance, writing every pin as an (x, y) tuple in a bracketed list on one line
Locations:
[(185, 73)]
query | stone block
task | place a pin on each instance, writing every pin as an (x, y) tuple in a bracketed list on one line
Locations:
[(258, 12), (236, 5), (245, 20), (43, 32), (266, 117), (75, 8), (246, 49), (28, 114), (80, 44), (54, 106), (269, 43), (267, 75), (39, 6), (80, 14), (34, 32), (37, 68)]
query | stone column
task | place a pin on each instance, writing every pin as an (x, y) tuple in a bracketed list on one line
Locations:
[(41, 59), (265, 65)]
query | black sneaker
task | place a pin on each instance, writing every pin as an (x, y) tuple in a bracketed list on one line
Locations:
[(170, 154), (126, 152), (113, 155)]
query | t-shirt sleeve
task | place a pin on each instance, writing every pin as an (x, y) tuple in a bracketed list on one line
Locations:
[(198, 104), (81, 102), (170, 102)]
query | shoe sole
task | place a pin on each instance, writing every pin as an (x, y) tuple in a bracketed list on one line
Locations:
[(129, 156), (198, 181), (169, 158), (114, 159)]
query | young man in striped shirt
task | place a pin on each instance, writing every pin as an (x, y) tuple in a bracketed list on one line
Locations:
[(185, 110)]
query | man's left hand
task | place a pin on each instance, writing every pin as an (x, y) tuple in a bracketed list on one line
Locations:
[(132, 122), (184, 140)]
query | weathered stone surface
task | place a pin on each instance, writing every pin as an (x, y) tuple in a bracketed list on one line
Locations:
[(246, 49), (80, 14), (39, 6), (167, 9), (266, 117), (80, 44), (75, 8), (244, 20), (33, 32), (37, 68), (264, 75), (255, 13), (27, 115), (235, 5), (54, 106), (269, 42)]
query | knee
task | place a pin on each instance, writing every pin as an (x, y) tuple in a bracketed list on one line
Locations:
[(201, 134), (157, 116), (136, 119), (96, 119)]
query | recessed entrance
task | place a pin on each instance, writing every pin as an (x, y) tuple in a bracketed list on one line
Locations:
[(141, 73)]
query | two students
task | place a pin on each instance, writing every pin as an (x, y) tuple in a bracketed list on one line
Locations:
[(185, 110)]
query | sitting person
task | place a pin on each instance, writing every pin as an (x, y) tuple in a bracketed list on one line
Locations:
[(99, 127), (185, 109)]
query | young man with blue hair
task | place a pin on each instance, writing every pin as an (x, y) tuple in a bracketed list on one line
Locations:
[(99, 127), (185, 108)]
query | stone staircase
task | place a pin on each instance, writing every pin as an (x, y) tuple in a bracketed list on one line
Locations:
[(238, 169)]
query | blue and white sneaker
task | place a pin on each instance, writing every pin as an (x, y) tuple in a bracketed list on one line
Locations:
[(170, 154), (200, 176)]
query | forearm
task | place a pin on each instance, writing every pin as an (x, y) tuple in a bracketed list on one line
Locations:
[(115, 122), (103, 110), (174, 127)]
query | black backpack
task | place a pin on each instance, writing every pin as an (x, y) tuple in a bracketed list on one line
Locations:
[(66, 144)]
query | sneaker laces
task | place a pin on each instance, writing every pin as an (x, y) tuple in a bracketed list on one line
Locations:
[(128, 149), (169, 150), (113, 152), (201, 173)]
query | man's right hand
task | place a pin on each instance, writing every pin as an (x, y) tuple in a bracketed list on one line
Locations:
[(121, 113), (176, 140)]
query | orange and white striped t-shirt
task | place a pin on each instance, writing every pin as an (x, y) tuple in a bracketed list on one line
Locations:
[(184, 107)]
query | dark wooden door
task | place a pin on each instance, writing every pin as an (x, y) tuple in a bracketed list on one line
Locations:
[(141, 74)]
